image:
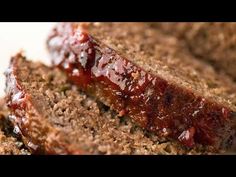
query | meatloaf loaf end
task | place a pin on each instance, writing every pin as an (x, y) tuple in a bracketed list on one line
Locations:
[(148, 76), (213, 42), (55, 118)]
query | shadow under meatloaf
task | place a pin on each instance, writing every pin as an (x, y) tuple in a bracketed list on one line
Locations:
[(9, 145), (213, 42), (55, 118), (149, 77)]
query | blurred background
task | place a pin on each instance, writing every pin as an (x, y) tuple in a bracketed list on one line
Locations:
[(29, 37)]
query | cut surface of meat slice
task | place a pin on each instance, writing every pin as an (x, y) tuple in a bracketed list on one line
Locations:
[(55, 118), (9, 145), (213, 42), (149, 77)]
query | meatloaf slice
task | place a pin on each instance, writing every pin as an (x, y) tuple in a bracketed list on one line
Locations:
[(9, 145), (55, 118), (149, 77), (211, 42)]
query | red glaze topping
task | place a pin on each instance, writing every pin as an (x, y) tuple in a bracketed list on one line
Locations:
[(17, 101), (151, 101)]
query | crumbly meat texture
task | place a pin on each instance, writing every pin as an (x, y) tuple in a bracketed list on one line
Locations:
[(9, 145), (213, 42), (150, 77), (55, 118)]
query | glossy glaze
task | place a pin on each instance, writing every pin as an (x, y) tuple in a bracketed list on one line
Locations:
[(155, 104)]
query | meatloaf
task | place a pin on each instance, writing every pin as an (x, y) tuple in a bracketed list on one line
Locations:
[(54, 117), (147, 76), (211, 42)]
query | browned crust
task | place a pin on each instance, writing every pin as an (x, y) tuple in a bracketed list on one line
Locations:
[(39, 136), (183, 115)]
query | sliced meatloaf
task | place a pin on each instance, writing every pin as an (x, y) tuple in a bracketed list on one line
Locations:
[(149, 77), (211, 42), (55, 118)]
